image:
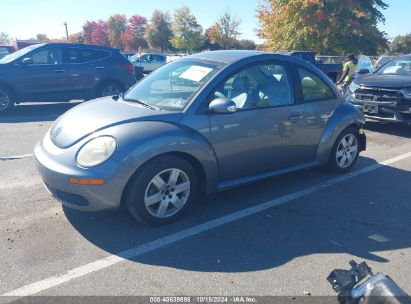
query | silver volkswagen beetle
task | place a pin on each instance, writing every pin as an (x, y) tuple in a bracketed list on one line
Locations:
[(198, 125)]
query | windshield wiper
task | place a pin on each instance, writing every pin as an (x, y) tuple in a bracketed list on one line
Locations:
[(142, 103)]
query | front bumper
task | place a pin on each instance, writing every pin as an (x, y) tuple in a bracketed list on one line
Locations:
[(386, 111), (56, 166)]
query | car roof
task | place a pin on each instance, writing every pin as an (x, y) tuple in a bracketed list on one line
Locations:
[(230, 56), (78, 45), (227, 57)]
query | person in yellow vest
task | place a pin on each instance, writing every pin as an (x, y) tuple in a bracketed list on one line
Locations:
[(349, 69)]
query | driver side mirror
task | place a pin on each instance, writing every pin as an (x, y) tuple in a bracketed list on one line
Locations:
[(222, 106), (27, 60)]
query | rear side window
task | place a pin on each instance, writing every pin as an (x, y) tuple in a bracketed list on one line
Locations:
[(74, 55), (313, 87), (93, 55)]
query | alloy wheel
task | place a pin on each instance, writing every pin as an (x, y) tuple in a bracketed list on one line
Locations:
[(110, 90), (347, 151), (167, 193)]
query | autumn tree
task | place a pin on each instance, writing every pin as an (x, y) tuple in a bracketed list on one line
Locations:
[(4, 38), (225, 31), (133, 37), (158, 32), (117, 25), (100, 34), (325, 26), (76, 38), (401, 45), (208, 44), (187, 32), (88, 29)]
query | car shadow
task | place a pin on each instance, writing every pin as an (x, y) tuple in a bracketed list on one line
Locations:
[(359, 217), (37, 112), (388, 128)]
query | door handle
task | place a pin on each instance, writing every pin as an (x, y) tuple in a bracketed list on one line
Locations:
[(295, 116), (59, 71), (75, 75), (99, 68)]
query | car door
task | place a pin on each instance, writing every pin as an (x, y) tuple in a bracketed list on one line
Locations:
[(44, 77), (157, 61), (265, 132), (146, 63), (85, 70), (317, 103)]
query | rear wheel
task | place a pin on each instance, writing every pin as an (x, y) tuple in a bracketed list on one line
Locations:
[(161, 191), (345, 151), (109, 89), (6, 100)]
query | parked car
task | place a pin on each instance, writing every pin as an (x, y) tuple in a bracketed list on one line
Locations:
[(61, 72), (6, 50), (240, 116), (332, 70), (149, 61), (383, 60), (384, 95)]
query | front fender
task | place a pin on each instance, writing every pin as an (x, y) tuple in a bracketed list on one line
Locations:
[(344, 116), (139, 142)]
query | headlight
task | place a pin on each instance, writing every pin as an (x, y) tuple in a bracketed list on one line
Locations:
[(406, 93), (353, 86), (96, 151)]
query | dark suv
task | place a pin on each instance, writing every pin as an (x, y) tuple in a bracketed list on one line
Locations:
[(384, 95), (62, 72)]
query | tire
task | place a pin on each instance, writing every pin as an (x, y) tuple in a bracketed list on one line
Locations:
[(6, 100), (154, 201), (109, 89), (345, 151)]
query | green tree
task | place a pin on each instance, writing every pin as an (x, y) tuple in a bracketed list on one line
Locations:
[(187, 32), (225, 31), (326, 26), (4, 38), (401, 44), (117, 25), (158, 31)]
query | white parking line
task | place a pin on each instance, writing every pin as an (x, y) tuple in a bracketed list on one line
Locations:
[(16, 157), (111, 260)]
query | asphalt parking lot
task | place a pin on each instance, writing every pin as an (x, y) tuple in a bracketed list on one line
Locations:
[(282, 236)]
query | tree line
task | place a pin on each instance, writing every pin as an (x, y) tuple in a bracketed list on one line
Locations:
[(332, 27), (181, 31)]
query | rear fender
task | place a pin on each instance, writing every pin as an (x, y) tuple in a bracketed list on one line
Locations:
[(344, 116)]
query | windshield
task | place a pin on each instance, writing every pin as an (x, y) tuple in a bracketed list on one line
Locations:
[(173, 86), (400, 66), (365, 63), (22, 52)]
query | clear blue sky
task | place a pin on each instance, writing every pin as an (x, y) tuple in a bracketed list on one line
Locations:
[(23, 19)]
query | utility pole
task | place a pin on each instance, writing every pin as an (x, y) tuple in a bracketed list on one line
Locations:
[(65, 24)]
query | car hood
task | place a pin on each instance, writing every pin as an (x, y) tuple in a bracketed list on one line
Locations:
[(384, 81), (99, 114)]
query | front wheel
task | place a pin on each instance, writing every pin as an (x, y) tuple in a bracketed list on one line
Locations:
[(345, 151), (161, 191)]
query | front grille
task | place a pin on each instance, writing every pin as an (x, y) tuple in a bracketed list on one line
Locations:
[(69, 198), (390, 97)]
